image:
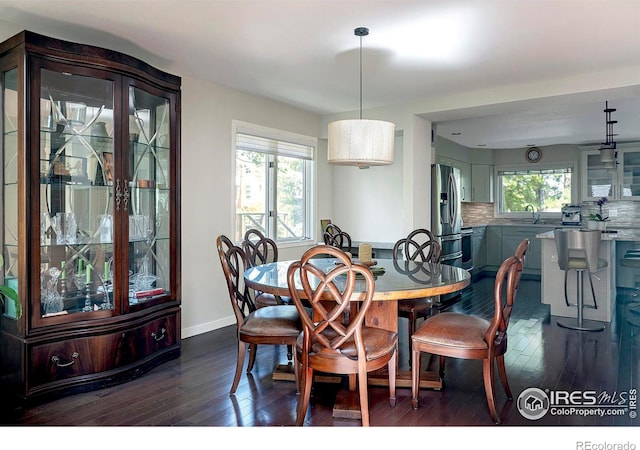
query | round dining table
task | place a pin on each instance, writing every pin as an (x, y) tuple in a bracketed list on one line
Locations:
[(394, 280)]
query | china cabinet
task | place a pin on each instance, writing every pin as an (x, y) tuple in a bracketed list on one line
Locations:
[(620, 182), (90, 228)]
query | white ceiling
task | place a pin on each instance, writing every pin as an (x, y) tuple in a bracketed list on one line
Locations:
[(304, 53)]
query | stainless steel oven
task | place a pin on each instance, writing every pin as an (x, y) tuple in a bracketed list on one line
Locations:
[(467, 255)]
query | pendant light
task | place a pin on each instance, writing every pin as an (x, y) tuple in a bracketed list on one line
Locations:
[(360, 142), (608, 153)]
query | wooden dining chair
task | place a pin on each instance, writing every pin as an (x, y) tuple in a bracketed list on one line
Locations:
[(521, 253), (420, 246), (464, 336), (274, 325), (262, 250), (335, 237), (329, 345)]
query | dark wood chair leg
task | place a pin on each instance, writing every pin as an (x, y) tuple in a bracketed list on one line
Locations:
[(391, 367), (303, 400), (242, 349), (442, 362), (415, 377), (364, 397), (253, 349), (503, 376), (489, 388), (411, 330)]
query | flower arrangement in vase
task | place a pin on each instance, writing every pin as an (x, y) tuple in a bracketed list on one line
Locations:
[(598, 221)]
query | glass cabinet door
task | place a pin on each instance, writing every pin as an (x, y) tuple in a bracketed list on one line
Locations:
[(149, 174), (9, 192), (630, 182), (76, 201), (599, 180)]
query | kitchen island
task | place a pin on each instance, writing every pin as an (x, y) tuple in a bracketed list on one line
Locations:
[(604, 281)]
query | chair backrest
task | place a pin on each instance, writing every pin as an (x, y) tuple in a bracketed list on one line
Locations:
[(329, 295), (234, 263), (258, 248), (504, 294), (582, 244), (335, 237), (420, 245)]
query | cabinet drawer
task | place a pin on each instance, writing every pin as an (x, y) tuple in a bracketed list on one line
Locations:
[(73, 357), (91, 355), (155, 336)]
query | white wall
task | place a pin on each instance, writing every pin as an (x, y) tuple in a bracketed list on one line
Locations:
[(207, 204), (365, 201)]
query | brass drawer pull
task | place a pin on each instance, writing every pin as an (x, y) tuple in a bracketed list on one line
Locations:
[(160, 337), (74, 358)]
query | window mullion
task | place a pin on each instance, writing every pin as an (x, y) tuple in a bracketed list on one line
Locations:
[(272, 192)]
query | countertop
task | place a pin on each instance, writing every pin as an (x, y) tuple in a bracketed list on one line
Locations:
[(629, 234), (513, 224)]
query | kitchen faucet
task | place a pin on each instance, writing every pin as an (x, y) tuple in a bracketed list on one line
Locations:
[(534, 218)]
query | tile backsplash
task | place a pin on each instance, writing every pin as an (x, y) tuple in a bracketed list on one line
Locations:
[(477, 213), (628, 213)]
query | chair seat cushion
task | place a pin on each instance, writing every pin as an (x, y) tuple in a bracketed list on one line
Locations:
[(453, 330), (581, 263), (377, 342), (265, 299), (281, 320), (415, 305)]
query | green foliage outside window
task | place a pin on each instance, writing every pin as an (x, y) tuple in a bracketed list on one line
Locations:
[(545, 190)]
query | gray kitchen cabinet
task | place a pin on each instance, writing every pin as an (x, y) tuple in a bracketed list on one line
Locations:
[(511, 238), (479, 249), (465, 181), (482, 183), (494, 246)]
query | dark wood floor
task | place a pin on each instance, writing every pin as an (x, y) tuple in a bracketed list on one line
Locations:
[(193, 390)]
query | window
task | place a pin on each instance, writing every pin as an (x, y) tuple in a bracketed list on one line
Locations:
[(273, 183), (543, 189)]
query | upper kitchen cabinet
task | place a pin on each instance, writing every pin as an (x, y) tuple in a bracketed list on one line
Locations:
[(90, 217), (465, 181), (482, 183), (465, 176), (619, 183)]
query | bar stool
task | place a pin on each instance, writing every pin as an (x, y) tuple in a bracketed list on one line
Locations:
[(578, 250)]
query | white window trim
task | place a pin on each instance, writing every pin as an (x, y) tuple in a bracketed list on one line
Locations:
[(575, 188), (238, 126)]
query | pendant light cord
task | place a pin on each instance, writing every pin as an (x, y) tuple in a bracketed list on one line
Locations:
[(360, 77), (361, 31)]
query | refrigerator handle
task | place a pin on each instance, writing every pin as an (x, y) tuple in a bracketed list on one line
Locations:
[(453, 201)]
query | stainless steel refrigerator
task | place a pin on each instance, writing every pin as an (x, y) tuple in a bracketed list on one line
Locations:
[(446, 215)]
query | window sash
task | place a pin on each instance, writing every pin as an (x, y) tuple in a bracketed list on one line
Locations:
[(275, 144), (559, 168)]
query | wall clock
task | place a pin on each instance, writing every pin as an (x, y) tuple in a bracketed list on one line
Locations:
[(534, 154)]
